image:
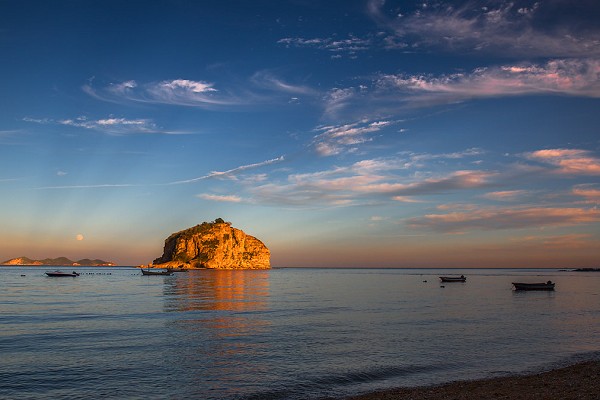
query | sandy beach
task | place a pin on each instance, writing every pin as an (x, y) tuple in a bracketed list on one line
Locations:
[(579, 381)]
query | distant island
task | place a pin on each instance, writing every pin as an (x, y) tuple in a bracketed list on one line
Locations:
[(86, 262), (213, 245)]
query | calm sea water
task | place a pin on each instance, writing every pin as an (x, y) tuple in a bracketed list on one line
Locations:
[(283, 333)]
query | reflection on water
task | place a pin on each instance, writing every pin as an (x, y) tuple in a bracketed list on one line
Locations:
[(220, 325), (217, 290)]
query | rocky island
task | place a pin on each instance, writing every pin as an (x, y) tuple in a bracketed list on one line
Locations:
[(213, 245), (62, 261)]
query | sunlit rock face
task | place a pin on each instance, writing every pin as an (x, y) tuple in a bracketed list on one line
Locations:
[(214, 245)]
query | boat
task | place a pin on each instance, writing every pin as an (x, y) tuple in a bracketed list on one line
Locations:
[(534, 286), (461, 278), (148, 272), (61, 273)]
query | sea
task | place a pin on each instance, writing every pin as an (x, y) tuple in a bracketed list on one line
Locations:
[(290, 333)]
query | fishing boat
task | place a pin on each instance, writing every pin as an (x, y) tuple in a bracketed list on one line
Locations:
[(461, 278), (61, 273), (148, 272), (534, 286)]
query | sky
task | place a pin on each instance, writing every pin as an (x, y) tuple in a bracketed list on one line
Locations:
[(354, 133)]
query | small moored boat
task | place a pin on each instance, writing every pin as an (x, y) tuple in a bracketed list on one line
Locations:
[(534, 286), (148, 272), (461, 278), (61, 273)]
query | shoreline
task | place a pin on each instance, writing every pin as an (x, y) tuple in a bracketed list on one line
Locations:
[(577, 381)]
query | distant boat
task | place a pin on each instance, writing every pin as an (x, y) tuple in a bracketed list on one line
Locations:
[(461, 278), (148, 272), (534, 286), (61, 273)]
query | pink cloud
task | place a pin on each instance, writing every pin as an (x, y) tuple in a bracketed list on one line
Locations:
[(572, 241), (568, 161), (506, 195), (565, 77), (588, 192), (515, 218), (220, 198)]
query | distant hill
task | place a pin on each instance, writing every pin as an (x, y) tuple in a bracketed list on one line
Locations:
[(57, 261)]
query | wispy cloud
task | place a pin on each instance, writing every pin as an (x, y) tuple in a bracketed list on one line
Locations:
[(589, 192), (339, 47), (183, 92), (264, 87), (335, 139), (571, 241), (367, 181), (565, 77), (391, 93), (99, 186), (231, 173), (505, 218), (568, 161), (221, 198), (111, 125), (268, 80), (419, 160), (9, 179), (506, 195), (502, 27)]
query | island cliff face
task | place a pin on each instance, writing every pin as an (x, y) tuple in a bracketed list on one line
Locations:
[(214, 245)]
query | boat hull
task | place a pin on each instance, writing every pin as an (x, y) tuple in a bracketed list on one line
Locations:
[(59, 274), (533, 286), (164, 273), (453, 279)]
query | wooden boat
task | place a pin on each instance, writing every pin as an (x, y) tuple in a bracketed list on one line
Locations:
[(534, 286), (61, 273), (148, 272), (461, 278)]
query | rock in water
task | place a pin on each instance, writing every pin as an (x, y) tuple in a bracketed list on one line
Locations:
[(214, 245)]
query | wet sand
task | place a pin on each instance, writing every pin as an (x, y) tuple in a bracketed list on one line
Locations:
[(580, 381)]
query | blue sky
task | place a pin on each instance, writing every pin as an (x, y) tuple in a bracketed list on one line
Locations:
[(341, 133)]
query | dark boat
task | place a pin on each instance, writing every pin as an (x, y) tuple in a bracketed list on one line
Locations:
[(148, 272), (534, 286), (461, 278), (61, 273)]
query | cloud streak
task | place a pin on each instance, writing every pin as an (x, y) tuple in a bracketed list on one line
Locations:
[(508, 218), (262, 88), (502, 27), (391, 93), (558, 77), (568, 161), (369, 180), (588, 192), (111, 125), (335, 139), (221, 198), (230, 174), (338, 47)]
